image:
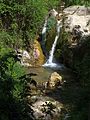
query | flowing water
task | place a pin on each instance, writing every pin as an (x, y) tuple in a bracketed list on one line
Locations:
[(50, 62), (43, 73)]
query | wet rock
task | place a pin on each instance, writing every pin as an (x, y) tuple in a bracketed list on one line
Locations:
[(55, 80)]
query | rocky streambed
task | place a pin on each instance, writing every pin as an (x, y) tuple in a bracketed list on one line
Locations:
[(47, 100)]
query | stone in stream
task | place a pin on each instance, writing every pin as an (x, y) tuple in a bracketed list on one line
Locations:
[(54, 81)]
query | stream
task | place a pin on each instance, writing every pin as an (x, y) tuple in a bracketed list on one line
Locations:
[(58, 97), (43, 73)]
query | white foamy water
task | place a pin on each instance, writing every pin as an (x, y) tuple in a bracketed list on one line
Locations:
[(50, 60), (55, 66)]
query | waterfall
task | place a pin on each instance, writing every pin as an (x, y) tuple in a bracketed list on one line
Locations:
[(49, 62)]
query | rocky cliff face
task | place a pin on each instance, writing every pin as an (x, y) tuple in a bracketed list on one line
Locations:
[(77, 22), (75, 19), (77, 25)]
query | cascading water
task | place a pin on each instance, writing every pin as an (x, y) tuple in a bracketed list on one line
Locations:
[(50, 62)]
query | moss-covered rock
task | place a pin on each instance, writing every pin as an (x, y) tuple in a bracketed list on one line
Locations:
[(38, 56)]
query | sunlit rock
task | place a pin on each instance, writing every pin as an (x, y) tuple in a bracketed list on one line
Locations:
[(45, 110), (24, 57), (38, 54), (55, 80), (33, 58), (77, 21)]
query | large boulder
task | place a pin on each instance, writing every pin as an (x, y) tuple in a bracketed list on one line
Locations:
[(46, 110), (55, 80)]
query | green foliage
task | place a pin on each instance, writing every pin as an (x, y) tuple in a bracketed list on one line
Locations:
[(10, 86), (52, 4), (8, 40), (77, 2), (22, 19), (51, 23)]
